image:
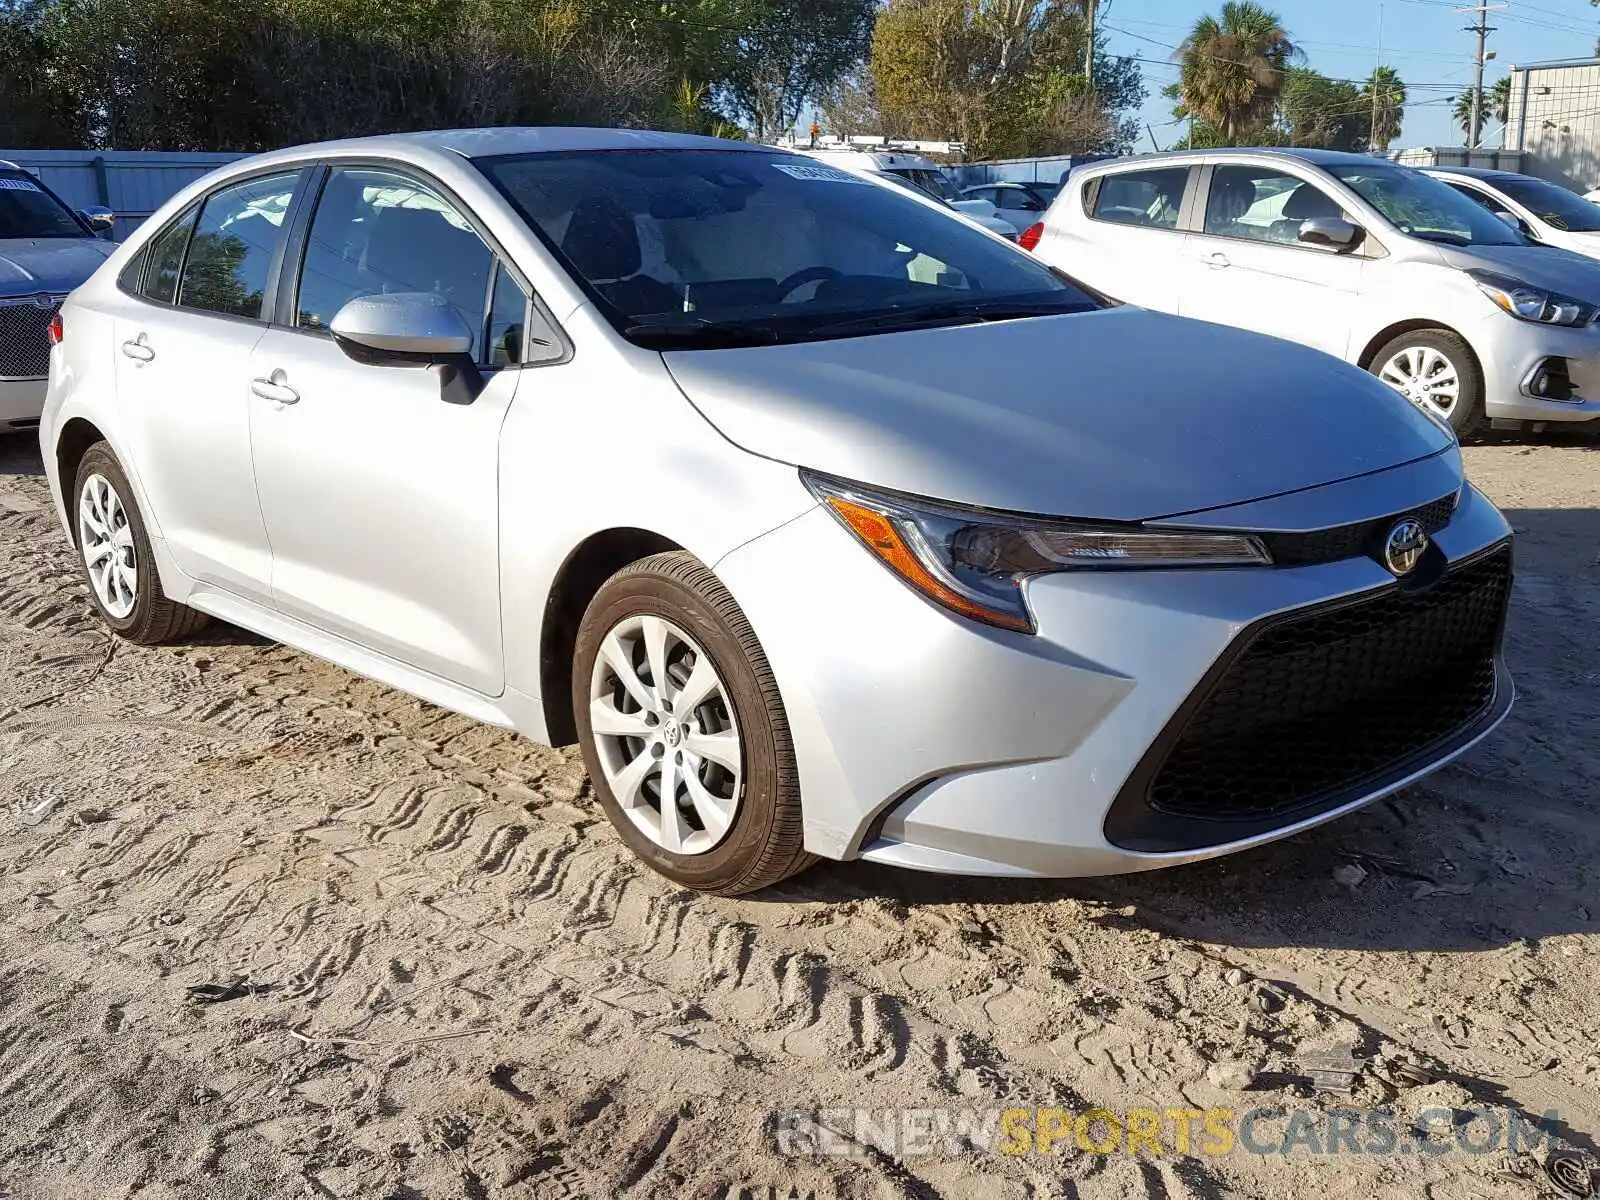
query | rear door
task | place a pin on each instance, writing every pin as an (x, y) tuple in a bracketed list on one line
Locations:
[(1127, 237), (184, 337), (1247, 267)]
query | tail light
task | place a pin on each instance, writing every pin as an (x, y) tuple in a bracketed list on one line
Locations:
[(1031, 235), (56, 330)]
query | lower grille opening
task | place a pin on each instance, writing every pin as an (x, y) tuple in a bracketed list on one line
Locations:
[(1318, 706)]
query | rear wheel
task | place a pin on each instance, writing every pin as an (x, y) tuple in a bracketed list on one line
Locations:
[(1437, 371), (683, 732), (114, 549)]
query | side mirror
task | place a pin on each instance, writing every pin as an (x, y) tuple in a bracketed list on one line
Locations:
[(411, 329), (101, 219), (1331, 233)]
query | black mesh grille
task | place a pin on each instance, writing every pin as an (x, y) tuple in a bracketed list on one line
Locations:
[(1316, 704), (1351, 541), (24, 337)]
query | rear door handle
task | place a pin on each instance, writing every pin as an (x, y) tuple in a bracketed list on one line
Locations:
[(137, 349), (275, 388), (1217, 259)]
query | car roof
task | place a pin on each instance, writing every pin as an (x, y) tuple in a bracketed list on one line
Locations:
[(1488, 174), (482, 143), (1322, 158)]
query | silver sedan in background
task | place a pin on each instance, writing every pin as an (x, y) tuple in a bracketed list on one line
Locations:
[(826, 524)]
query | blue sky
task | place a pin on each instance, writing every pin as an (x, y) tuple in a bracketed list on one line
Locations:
[(1424, 40)]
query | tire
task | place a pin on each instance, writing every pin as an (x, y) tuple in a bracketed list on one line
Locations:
[(150, 617), (1467, 415), (761, 842)]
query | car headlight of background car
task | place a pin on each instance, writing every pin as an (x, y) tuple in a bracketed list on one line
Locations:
[(974, 562), (1529, 303)]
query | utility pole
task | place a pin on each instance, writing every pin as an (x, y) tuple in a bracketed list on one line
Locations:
[(1483, 29), (1089, 7), (1372, 134)]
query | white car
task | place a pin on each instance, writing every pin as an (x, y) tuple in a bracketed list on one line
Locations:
[(1543, 211), (923, 172), (1374, 263), (825, 524)]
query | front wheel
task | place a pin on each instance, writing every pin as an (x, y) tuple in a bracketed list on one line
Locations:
[(683, 732), (1437, 371), (114, 548)]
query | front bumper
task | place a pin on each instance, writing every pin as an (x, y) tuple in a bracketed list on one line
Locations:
[(1512, 351), (21, 402), (931, 742)]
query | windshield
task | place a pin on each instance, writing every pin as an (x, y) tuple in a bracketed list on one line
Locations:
[(1551, 204), (705, 248), (929, 180), (28, 211), (1426, 207)]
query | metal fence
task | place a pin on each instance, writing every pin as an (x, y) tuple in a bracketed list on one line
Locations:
[(1053, 169), (132, 183)]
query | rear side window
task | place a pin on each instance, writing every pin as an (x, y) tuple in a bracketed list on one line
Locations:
[(166, 258), (1150, 198), (231, 253)]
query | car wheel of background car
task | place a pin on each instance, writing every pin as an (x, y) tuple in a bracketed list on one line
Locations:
[(683, 731), (115, 551), (1436, 370)]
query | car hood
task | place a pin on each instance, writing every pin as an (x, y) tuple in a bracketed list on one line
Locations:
[(1119, 414), (1549, 267), (29, 265)]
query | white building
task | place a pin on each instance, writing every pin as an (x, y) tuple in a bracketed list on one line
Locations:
[(1554, 118)]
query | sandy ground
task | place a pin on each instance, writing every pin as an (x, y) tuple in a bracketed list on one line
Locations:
[(457, 984)]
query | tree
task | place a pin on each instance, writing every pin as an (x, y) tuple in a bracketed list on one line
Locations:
[(1385, 95), (1003, 76), (1496, 105), (1317, 111), (791, 53), (1232, 70)]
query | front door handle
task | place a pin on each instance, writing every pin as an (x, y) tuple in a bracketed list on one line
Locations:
[(275, 387), (1217, 260), (137, 349)]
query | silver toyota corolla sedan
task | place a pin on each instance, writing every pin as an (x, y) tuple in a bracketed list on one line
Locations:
[(825, 523)]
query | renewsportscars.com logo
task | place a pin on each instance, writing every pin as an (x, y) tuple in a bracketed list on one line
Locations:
[(1213, 1132)]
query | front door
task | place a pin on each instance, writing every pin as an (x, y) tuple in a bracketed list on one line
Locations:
[(380, 495), (183, 342), (1248, 268)]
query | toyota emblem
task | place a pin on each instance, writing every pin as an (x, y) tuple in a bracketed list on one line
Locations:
[(1403, 548)]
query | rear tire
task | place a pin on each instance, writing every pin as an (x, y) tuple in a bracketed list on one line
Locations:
[(114, 551), (731, 829), (1396, 363)]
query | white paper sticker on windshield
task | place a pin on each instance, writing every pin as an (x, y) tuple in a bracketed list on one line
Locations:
[(18, 185), (817, 173)]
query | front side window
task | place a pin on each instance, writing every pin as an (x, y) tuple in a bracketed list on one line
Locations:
[(377, 232), (694, 248), (929, 180), (1482, 198), (508, 321), (230, 255), (28, 211), (1150, 198), (1019, 200), (1425, 207), (1552, 204), (166, 258), (1263, 205)]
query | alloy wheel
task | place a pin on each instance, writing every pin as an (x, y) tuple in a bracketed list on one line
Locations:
[(107, 543), (665, 733), (1426, 377)]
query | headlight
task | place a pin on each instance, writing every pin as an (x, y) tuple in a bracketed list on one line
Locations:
[(1528, 303), (974, 562)]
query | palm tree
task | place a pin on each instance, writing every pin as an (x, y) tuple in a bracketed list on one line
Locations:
[(1386, 92), (1231, 69), (1496, 105)]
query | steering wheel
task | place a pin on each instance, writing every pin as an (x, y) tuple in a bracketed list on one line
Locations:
[(793, 283)]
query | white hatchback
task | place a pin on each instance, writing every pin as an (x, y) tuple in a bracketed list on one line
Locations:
[(1374, 263)]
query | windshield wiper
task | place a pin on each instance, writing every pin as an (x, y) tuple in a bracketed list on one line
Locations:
[(966, 313), (700, 334)]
